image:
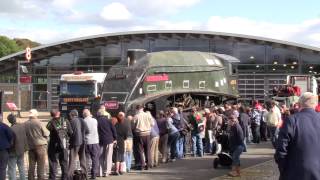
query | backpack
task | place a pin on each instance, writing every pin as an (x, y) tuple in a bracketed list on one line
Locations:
[(79, 175)]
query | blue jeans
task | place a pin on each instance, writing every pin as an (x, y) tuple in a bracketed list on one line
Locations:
[(197, 144), (4, 158), (180, 145), (236, 155), (13, 161), (128, 159), (245, 144), (172, 143)]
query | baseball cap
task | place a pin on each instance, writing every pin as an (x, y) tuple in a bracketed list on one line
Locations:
[(33, 113)]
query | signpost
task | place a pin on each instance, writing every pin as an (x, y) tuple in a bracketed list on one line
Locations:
[(28, 57)]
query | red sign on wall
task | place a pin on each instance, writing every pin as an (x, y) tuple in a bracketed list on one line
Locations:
[(111, 104), (25, 79), (157, 78)]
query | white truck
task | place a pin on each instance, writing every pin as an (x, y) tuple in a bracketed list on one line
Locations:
[(79, 91)]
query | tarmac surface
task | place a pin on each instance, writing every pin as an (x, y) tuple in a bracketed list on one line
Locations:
[(202, 168), (264, 171)]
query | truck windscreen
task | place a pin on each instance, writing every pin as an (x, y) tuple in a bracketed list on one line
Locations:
[(115, 96), (78, 89)]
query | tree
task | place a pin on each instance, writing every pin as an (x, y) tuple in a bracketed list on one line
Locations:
[(8, 46), (23, 43)]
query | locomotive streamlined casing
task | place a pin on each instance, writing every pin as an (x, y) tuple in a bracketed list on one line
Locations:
[(167, 73)]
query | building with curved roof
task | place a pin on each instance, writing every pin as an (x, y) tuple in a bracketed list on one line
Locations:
[(264, 63)]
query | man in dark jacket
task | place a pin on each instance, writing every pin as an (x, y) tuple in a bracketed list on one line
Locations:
[(244, 120), (298, 145), (77, 142), (6, 137), (20, 146), (107, 137), (236, 144), (60, 131)]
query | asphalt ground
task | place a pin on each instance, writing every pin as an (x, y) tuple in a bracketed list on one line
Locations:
[(200, 168)]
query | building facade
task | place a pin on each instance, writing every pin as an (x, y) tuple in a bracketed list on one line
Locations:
[(264, 63)]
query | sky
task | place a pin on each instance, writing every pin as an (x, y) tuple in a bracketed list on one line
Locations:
[(49, 21)]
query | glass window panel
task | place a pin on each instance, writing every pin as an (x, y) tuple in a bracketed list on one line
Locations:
[(251, 68), (40, 104), (249, 53), (8, 77), (168, 84), (282, 56), (136, 44), (80, 89), (202, 84), (108, 61), (89, 64), (39, 80), (66, 59), (313, 69), (157, 49), (195, 43), (151, 88), (196, 48), (223, 46), (282, 68), (88, 61), (40, 87), (185, 84), (39, 70), (40, 95), (308, 57), (93, 52), (43, 62), (165, 43), (112, 50)]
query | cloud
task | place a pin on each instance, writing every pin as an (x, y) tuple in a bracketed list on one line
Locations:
[(246, 26), (315, 37), (40, 35), (88, 31), (64, 4), (183, 25), (305, 32), (155, 8), (115, 12), (20, 8)]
